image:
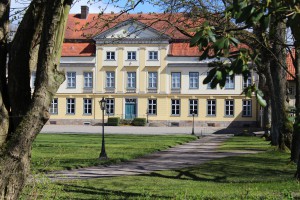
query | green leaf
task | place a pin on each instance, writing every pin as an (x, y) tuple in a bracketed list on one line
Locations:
[(226, 43), (265, 21), (195, 39), (211, 36), (261, 100), (219, 75), (204, 55), (219, 44), (234, 41), (237, 66), (214, 83), (210, 75), (257, 17), (246, 13)]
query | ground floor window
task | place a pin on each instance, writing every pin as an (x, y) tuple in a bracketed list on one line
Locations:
[(247, 108), (229, 107), (175, 106), (211, 107), (152, 106), (70, 106), (54, 106), (87, 106), (193, 107), (110, 106)]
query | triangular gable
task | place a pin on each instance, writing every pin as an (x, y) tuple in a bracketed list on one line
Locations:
[(131, 29)]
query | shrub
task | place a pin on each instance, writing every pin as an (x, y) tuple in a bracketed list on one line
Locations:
[(113, 121), (125, 121), (139, 122)]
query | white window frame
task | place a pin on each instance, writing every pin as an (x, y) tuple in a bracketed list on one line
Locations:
[(131, 55), (71, 105), (153, 55), (53, 110), (152, 80), (110, 55), (247, 108), (194, 80), (110, 79), (175, 107), (193, 106), (87, 106), (71, 79), (229, 107), (88, 79), (131, 79), (152, 106), (211, 107), (248, 82), (229, 84), (176, 80), (110, 106)]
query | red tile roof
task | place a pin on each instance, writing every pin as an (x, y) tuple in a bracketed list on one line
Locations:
[(290, 66), (183, 49), (78, 49)]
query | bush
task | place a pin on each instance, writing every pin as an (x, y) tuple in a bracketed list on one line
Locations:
[(113, 121), (139, 122)]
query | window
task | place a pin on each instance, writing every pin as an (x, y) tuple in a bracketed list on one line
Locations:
[(193, 107), (152, 106), (152, 79), (176, 76), (229, 107), (131, 77), (88, 79), (175, 106), (247, 108), (211, 107), (110, 106), (153, 55), (87, 106), (229, 82), (70, 106), (291, 90), (194, 80), (110, 55), (110, 79), (33, 77), (71, 79), (54, 106), (131, 55), (248, 82)]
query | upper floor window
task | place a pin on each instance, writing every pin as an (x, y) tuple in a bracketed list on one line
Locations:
[(71, 79), (54, 106), (131, 79), (193, 107), (152, 106), (153, 55), (152, 79), (87, 106), (194, 80), (229, 107), (110, 79), (110, 55), (131, 55), (247, 108), (247, 82), (175, 106), (211, 107), (88, 79), (110, 106), (70, 106), (176, 80), (229, 82)]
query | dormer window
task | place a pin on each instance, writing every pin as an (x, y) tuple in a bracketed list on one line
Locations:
[(153, 55), (110, 55), (131, 55)]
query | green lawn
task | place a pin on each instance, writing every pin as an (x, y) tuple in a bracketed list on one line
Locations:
[(267, 175), (64, 151)]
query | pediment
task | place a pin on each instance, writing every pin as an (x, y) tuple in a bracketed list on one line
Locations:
[(131, 30)]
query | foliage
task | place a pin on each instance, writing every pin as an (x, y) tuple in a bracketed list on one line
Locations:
[(253, 176), (139, 122), (113, 121), (67, 151)]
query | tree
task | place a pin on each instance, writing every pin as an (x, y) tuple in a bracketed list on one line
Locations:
[(37, 44)]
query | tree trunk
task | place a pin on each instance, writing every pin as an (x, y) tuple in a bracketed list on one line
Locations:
[(16, 149)]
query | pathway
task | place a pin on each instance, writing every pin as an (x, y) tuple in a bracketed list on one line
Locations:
[(181, 156)]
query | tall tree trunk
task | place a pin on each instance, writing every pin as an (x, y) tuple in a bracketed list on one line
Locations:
[(15, 153)]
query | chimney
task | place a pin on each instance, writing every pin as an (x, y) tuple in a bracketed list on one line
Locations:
[(84, 12)]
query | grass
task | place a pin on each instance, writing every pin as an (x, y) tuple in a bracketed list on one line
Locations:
[(266, 175), (63, 151)]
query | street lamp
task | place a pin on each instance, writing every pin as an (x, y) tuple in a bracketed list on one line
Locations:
[(103, 155), (193, 114)]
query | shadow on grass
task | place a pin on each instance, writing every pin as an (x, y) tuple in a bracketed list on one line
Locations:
[(91, 192)]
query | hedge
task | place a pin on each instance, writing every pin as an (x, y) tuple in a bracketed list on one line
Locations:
[(113, 121), (139, 122)]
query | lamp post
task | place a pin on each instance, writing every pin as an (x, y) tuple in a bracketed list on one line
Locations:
[(103, 155), (193, 114)]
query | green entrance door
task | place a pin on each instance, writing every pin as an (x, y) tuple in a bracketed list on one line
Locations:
[(130, 108)]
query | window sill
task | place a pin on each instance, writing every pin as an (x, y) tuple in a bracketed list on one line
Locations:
[(228, 116), (210, 115), (110, 60), (87, 114), (192, 115), (152, 60), (193, 88), (71, 87), (174, 115), (247, 116), (70, 113)]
